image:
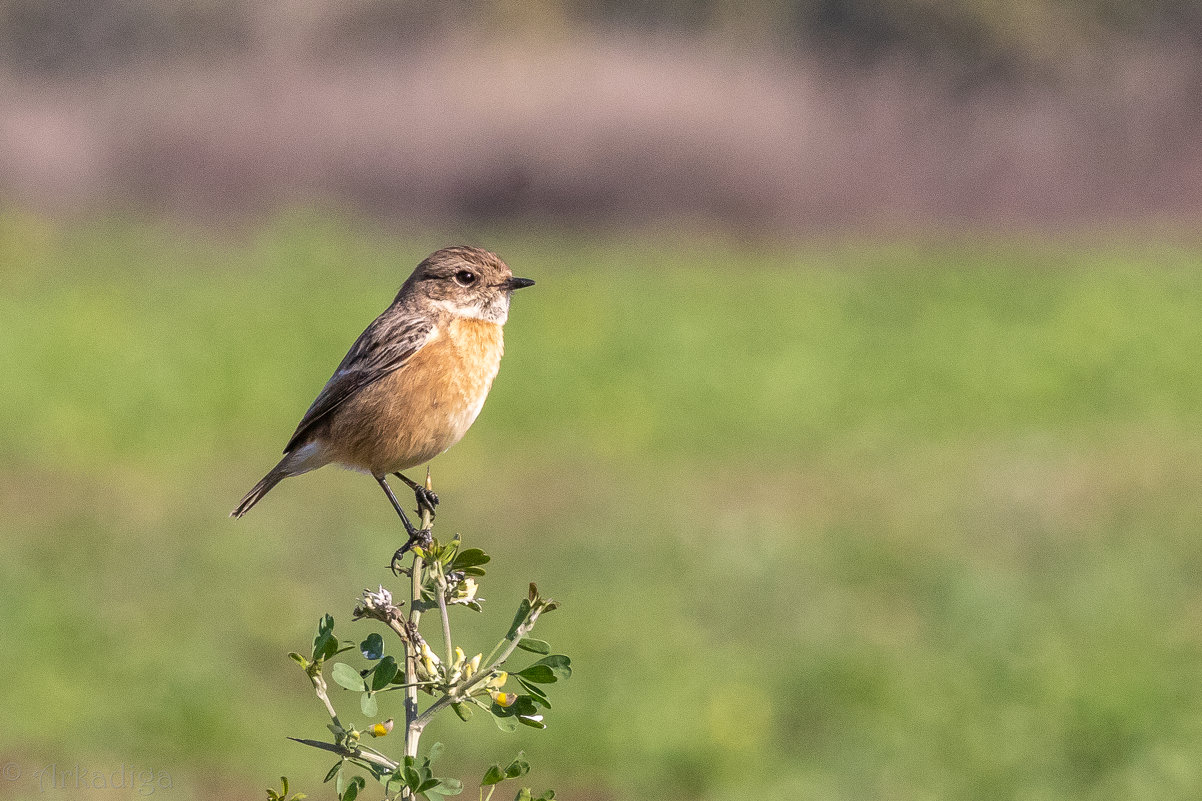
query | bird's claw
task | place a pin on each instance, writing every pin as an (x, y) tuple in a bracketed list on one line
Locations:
[(427, 500), (422, 538)]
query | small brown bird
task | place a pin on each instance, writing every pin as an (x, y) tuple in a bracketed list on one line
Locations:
[(413, 382)]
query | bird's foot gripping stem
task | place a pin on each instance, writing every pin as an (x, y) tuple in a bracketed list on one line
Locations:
[(422, 538), (427, 499)]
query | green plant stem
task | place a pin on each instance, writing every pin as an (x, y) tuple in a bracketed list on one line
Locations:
[(320, 687), (411, 656), (412, 730), (446, 619)]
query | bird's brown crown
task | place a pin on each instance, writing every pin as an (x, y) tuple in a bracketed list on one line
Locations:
[(464, 281)]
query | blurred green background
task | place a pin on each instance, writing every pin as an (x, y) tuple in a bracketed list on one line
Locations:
[(846, 520), (854, 419)]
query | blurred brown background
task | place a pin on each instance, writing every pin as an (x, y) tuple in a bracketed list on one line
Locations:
[(792, 114)]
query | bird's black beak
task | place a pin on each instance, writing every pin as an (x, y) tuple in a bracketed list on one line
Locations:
[(518, 283)]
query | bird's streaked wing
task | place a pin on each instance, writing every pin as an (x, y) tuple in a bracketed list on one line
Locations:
[(384, 346)]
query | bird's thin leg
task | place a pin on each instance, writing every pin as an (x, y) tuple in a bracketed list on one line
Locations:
[(416, 536), (426, 498)]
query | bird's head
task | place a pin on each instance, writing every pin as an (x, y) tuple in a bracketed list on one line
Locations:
[(465, 281)]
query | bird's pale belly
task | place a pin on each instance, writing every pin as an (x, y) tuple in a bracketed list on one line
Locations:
[(412, 415)]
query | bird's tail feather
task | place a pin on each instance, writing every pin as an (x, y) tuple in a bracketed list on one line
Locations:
[(277, 474)]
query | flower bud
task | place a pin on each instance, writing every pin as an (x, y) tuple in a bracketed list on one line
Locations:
[(427, 663)]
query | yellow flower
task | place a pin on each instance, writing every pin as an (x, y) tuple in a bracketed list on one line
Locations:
[(503, 698), (497, 681), (380, 729)]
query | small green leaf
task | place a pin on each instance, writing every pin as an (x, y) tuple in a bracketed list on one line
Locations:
[(523, 795), (518, 619), (385, 671), (533, 689), (471, 557), (324, 644), (534, 646), (327, 648), (446, 787), (451, 787), (548, 670), (473, 571), (463, 711), (493, 775), (373, 647), (504, 722), (369, 704), (347, 676), (333, 771), (298, 659), (536, 694), (541, 674), (518, 767), (435, 752), (352, 789), (533, 721)]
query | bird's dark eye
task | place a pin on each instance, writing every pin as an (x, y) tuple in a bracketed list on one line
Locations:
[(465, 278)]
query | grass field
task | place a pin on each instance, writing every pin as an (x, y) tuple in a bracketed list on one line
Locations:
[(842, 521)]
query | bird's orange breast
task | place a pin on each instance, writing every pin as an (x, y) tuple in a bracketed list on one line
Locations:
[(425, 406)]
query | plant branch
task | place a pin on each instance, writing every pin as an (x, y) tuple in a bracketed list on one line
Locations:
[(455, 682), (432, 710), (320, 687), (446, 619), (360, 752), (412, 731), (520, 632)]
